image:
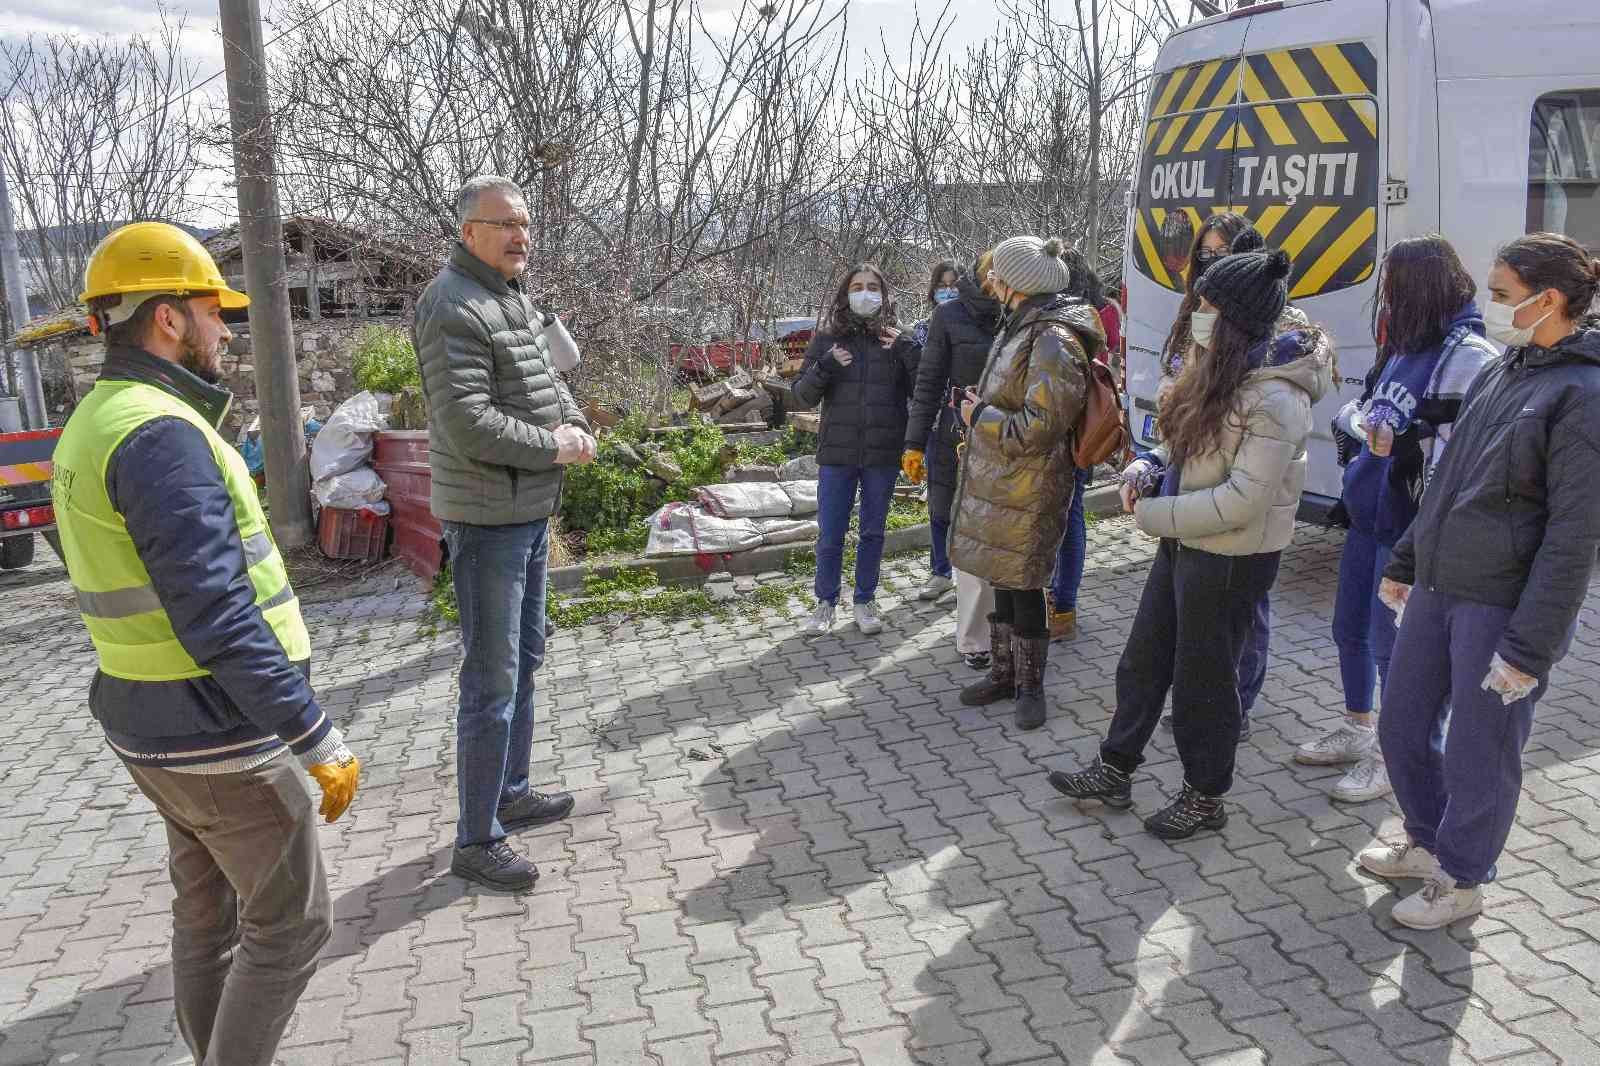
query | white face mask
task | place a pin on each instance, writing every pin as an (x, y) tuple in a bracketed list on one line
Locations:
[(1499, 321), (1202, 324), (866, 303)]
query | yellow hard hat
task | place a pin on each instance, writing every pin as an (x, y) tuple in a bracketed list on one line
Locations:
[(153, 257)]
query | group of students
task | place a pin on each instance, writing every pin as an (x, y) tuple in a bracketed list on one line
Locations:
[(1462, 498)]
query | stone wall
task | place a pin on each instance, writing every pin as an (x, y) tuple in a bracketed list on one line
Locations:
[(324, 356)]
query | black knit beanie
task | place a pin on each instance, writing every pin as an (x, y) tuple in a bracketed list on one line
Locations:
[(1248, 239), (1249, 289)]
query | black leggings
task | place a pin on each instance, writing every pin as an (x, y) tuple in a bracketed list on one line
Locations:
[(1022, 608)]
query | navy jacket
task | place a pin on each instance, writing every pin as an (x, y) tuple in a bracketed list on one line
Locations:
[(1511, 517), (165, 482)]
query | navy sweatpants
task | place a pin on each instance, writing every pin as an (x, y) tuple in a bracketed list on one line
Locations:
[(1458, 789)]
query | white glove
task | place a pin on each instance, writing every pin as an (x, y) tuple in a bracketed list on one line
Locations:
[(1512, 684), (1394, 595), (1349, 420)]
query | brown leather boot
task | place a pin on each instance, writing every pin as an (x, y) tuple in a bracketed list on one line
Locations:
[(1032, 653), (1063, 625), (1001, 681)]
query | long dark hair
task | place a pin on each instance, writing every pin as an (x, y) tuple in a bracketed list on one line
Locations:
[(1203, 399), (1555, 261), (1422, 286), (941, 268), (1085, 284), (1230, 224), (842, 322)]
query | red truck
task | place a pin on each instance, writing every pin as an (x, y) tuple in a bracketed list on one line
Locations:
[(25, 507)]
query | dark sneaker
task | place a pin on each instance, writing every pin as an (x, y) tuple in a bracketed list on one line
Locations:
[(977, 660), (1104, 783), (494, 866), (536, 808), (1187, 815)]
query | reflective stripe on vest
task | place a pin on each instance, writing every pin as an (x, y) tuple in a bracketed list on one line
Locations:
[(130, 630)]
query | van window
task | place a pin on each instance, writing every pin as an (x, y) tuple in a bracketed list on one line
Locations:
[(1563, 169), (1288, 138)]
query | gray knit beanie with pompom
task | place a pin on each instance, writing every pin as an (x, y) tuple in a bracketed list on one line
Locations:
[(1032, 266)]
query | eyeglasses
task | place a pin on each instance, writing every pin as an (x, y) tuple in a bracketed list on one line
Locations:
[(503, 225)]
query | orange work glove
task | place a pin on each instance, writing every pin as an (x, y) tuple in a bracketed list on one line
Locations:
[(338, 781), (912, 465)]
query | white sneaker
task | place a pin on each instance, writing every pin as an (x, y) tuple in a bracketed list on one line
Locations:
[(1399, 858), (1438, 903), (937, 586), (1336, 747), (821, 620), (867, 619), (1369, 780)]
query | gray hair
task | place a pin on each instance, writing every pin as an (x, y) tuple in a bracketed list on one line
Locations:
[(467, 198)]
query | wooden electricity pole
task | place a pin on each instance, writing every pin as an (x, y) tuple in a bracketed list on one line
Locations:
[(266, 274)]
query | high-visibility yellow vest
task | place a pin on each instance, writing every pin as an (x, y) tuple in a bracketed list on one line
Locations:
[(131, 631)]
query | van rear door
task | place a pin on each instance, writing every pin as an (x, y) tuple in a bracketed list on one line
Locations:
[(1286, 133)]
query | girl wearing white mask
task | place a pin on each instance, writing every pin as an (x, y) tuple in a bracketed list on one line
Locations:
[(861, 369), (1489, 579)]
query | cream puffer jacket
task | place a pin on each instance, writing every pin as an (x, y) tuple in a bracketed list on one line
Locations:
[(1241, 497)]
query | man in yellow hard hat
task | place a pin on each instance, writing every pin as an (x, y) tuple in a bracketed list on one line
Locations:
[(204, 661)]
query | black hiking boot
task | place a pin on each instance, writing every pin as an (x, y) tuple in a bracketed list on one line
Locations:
[(1187, 815), (1104, 783)]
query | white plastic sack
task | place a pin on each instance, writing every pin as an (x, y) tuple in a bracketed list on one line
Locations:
[(746, 499), (350, 490), (346, 438), (802, 497), (787, 530), (681, 529)]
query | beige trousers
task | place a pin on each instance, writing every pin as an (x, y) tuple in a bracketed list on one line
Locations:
[(974, 604)]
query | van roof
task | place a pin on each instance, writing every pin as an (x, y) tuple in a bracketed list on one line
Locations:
[(1475, 38)]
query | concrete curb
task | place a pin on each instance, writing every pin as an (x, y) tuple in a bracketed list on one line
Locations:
[(682, 569), (1101, 501)]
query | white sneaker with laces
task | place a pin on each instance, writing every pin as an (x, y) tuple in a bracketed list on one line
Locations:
[(1438, 903), (821, 620), (1336, 747), (1398, 858), (867, 619), (1369, 780), (937, 586)]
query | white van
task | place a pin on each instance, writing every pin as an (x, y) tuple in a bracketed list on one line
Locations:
[(1340, 126)]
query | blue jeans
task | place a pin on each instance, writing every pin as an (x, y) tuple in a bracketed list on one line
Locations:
[(939, 546), (1253, 654), (1458, 788), (499, 574), (1074, 548), (1363, 627), (836, 498)]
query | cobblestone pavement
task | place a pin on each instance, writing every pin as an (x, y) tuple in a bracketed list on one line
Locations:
[(861, 872)]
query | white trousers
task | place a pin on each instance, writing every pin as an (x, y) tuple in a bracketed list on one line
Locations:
[(974, 605)]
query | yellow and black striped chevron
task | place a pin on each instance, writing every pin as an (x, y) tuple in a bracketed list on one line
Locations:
[(1287, 138)]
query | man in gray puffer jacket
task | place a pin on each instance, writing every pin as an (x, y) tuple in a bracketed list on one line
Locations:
[(502, 428)]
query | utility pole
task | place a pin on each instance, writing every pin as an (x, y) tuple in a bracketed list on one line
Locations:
[(255, 170), (28, 383)]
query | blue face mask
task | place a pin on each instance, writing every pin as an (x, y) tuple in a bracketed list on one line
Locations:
[(944, 296)]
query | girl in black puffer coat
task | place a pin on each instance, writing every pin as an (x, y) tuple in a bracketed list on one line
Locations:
[(959, 335), (860, 369)]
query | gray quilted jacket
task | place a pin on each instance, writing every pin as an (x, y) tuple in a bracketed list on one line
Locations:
[(494, 397)]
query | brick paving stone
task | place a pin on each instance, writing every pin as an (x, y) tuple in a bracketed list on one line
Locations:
[(871, 874)]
